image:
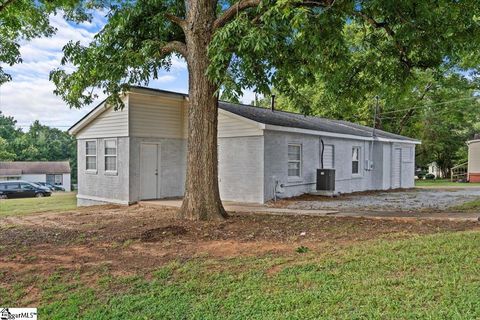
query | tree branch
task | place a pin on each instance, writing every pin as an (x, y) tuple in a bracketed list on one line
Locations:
[(411, 111), (5, 4), (229, 14), (178, 21), (174, 47), (384, 25)]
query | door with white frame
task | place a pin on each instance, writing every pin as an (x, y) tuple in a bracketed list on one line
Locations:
[(149, 171)]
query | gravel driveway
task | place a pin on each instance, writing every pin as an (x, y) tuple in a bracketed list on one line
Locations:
[(392, 201)]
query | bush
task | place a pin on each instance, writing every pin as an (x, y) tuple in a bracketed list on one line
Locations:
[(429, 176), (421, 175)]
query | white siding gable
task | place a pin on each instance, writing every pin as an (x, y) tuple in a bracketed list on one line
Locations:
[(156, 116), (110, 123), (231, 125)]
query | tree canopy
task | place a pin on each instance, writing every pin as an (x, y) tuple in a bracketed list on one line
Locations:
[(39, 143), (23, 20), (281, 43)]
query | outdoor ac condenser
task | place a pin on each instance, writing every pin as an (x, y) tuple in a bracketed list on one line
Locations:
[(326, 179)]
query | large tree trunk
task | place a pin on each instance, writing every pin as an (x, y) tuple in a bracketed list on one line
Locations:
[(202, 197)]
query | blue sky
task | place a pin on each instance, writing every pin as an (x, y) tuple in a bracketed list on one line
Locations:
[(29, 96)]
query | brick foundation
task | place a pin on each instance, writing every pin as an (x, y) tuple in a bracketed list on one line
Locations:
[(474, 177)]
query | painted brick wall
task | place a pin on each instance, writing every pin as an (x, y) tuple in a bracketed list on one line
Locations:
[(240, 168), (102, 185), (172, 169), (276, 162)]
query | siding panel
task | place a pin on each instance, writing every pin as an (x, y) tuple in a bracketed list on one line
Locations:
[(110, 123), (156, 116), (230, 126)]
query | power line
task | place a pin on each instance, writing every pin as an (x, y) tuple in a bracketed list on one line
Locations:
[(429, 105)]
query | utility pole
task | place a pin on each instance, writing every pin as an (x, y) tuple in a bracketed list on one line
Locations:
[(375, 113)]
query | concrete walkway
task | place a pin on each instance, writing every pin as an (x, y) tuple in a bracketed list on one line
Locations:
[(244, 208)]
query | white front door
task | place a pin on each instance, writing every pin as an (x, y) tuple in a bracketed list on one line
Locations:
[(397, 168), (149, 164)]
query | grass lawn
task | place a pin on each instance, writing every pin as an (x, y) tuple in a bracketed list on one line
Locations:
[(468, 206), (60, 201), (424, 277), (444, 183)]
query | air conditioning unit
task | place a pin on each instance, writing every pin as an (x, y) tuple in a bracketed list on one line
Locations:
[(326, 179)]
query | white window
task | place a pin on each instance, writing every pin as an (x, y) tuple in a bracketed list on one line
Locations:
[(355, 160), (111, 155), (91, 155), (55, 179), (294, 160)]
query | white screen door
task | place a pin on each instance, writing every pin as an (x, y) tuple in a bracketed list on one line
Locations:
[(148, 171)]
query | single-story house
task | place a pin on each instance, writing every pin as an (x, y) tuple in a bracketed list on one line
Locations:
[(139, 152), (53, 172)]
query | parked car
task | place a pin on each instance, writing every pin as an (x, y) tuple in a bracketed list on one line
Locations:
[(22, 189), (50, 186)]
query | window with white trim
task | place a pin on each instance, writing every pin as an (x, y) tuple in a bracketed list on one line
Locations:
[(91, 155), (294, 160), (111, 155), (355, 160)]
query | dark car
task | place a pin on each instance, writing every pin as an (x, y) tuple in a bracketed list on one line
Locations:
[(22, 189), (50, 186)]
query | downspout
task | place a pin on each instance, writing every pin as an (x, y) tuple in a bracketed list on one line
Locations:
[(373, 130), (321, 153)]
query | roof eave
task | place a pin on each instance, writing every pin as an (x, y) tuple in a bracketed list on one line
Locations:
[(337, 135)]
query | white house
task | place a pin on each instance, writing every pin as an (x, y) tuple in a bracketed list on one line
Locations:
[(139, 152), (434, 169), (53, 172)]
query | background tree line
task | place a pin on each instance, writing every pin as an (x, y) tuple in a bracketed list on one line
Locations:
[(39, 143)]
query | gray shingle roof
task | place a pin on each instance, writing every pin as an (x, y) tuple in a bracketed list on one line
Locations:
[(295, 120), (34, 167), (288, 119)]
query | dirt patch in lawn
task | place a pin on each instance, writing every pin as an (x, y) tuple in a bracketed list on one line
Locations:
[(128, 240)]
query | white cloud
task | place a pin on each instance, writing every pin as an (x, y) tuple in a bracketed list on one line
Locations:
[(29, 96), (28, 101)]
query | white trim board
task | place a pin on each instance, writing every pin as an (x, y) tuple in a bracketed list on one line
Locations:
[(336, 135), (100, 199)]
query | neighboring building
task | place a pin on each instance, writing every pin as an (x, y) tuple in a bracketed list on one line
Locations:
[(53, 172), (434, 169), (473, 171), (139, 152)]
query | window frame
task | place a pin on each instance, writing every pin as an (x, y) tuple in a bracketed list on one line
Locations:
[(105, 156), (359, 161), (92, 171), (300, 162)]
